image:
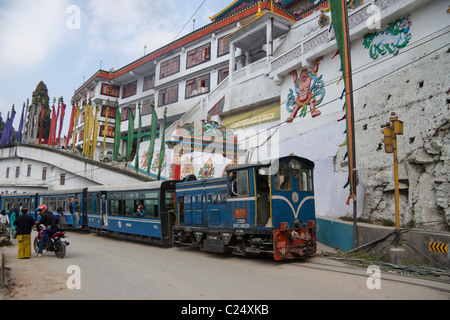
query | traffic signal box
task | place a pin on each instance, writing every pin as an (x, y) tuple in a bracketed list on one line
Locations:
[(390, 131)]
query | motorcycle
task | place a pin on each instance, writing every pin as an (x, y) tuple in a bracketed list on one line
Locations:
[(57, 244)]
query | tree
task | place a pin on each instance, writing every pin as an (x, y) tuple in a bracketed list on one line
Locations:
[(41, 95)]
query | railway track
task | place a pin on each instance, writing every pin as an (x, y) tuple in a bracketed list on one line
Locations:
[(434, 279)]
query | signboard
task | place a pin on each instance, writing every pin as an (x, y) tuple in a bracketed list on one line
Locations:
[(438, 247), (253, 118)]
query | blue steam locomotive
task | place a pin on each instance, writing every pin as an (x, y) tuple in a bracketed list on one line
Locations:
[(262, 208)]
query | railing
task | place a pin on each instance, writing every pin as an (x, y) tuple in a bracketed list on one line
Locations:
[(357, 16), (247, 73)]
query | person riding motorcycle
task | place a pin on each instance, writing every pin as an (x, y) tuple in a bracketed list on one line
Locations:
[(50, 223)]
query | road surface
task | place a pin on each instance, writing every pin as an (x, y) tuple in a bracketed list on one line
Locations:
[(105, 268)]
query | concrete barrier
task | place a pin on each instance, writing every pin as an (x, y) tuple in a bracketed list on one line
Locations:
[(419, 246)]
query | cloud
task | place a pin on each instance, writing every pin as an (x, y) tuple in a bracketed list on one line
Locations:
[(123, 28), (29, 31)]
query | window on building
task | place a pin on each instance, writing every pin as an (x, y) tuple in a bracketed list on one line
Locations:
[(147, 107), (223, 74), (170, 67), (125, 114), (110, 90), (197, 86), (223, 47), (111, 112), (109, 132), (198, 55), (17, 172), (129, 89), (149, 82), (7, 173), (44, 173), (62, 179), (29, 171), (168, 95)]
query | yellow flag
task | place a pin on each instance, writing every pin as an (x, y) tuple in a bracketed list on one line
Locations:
[(87, 129), (94, 133), (105, 129)]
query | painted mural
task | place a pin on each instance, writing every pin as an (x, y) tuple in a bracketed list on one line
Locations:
[(204, 148), (309, 92), (390, 40)]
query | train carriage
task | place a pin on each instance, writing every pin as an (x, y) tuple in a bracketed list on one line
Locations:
[(155, 223), (26, 200), (257, 209), (60, 199)]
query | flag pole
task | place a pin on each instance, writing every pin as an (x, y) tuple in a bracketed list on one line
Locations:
[(339, 12), (351, 123)]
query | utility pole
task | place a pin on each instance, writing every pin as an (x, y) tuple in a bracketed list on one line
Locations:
[(390, 131)]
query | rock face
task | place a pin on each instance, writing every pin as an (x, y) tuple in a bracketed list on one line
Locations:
[(418, 95)]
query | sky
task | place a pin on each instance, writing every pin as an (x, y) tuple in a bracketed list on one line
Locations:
[(64, 42)]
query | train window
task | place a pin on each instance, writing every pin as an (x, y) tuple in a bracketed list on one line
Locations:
[(115, 207), (242, 183), (305, 180), (149, 195), (130, 208), (282, 179), (151, 208), (131, 195), (170, 199), (52, 204), (90, 207)]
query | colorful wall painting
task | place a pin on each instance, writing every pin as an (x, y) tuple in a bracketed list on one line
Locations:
[(204, 148), (390, 40), (309, 92)]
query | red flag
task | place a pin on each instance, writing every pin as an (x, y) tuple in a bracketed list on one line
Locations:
[(72, 120), (61, 119), (56, 123), (51, 136)]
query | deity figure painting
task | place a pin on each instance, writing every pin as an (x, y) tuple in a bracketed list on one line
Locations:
[(309, 90)]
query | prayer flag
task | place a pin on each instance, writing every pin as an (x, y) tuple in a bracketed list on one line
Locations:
[(151, 148), (162, 152), (341, 30)]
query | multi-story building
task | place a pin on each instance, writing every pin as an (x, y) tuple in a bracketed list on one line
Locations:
[(270, 73), (186, 73)]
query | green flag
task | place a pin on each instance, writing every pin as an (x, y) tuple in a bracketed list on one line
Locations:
[(116, 132), (341, 30), (162, 151), (136, 162), (130, 131), (151, 148)]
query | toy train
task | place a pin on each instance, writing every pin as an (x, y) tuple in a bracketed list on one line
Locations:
[(263, 208)]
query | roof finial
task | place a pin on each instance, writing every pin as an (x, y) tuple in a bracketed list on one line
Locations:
[(259, 13)]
